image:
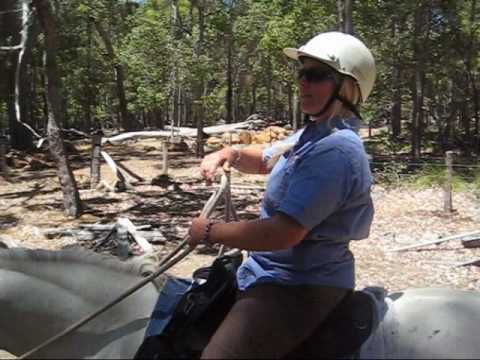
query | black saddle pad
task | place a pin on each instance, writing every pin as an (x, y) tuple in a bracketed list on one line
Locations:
[(344, 331), (198, 313)]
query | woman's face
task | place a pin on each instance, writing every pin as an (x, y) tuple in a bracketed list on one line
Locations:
[(315, 87)]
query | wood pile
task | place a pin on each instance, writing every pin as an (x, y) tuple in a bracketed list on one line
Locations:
[(268, 135), (18, 160)]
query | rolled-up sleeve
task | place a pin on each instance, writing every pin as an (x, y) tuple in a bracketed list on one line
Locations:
[(318, 186), (279, 146)]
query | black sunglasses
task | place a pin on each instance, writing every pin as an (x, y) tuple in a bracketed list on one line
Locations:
[(314, 75)]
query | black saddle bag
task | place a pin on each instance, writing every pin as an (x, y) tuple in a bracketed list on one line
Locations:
[(198, 313)]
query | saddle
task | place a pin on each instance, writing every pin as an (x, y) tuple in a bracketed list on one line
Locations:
[(189, 312)]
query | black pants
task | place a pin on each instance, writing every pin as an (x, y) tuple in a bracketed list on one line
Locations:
[(269, 321)]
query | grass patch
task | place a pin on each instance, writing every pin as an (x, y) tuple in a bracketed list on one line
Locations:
[(428, 177)]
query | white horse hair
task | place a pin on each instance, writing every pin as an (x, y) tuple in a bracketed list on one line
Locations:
[(44, 292)]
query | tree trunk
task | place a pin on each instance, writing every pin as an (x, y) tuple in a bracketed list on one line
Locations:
[(125, 118), (90, 96), (20, 135), (269, 86), (465, 121), (200, 88), (229, 95), (21, 77), (12, 31), (71, 198), (345, 22), (396, 110), (419, 78), (253, 105)]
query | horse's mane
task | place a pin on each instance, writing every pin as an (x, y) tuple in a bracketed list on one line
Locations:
[(76, 255)]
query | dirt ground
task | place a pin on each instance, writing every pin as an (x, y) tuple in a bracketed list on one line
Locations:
[(31, 205)]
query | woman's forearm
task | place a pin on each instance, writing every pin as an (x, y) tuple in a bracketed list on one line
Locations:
[(248, 159), (276, 233)]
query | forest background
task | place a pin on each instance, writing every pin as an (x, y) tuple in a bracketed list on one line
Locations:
[(130, 65), (70, 67), (137, 64)]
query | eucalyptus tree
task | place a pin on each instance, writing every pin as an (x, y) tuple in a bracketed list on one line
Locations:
[(71, 198), (16, 37)]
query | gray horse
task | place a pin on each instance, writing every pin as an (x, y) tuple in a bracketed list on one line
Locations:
[(42, 293)]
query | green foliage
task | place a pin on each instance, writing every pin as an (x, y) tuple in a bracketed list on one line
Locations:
[(165, 52), (430, 176), (397, 174), (390, 174)]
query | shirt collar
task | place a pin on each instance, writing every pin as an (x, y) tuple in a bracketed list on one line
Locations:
[(315, 131)]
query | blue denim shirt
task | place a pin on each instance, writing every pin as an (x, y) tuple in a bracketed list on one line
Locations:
[(323, 183)]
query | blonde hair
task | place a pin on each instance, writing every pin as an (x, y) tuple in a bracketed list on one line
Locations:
[(350, 92)]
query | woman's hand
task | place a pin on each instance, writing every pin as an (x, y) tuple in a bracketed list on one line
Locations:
[(197, 230), (212, 162)]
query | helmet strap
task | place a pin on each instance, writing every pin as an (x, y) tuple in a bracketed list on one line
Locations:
[(349, 106), (336, 96)]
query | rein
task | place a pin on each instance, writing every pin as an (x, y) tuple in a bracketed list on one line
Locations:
[(165, 264)]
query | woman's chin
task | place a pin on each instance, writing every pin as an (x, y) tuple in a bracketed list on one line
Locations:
[(309, 111), (309, 107)]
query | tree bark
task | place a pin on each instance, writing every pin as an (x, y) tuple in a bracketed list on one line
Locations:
[(71, 198), (345, 21)]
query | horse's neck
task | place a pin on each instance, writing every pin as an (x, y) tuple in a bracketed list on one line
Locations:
[(89, 281), (40, 300)]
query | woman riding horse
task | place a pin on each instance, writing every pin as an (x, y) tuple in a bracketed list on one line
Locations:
[(317, 200)]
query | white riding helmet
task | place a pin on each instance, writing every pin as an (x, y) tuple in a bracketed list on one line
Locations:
[(344, 53)]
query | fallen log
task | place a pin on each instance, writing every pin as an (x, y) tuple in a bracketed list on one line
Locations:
[(471, 243), (103, 185), (129, 172), (177, 131), (154, 237), (210, 130), (438, 241), (137, 134), (108, 227), (90, 232), (475, 262), (122, 183), (7, 242), (77, 234), (106, 238), (140, 240)]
